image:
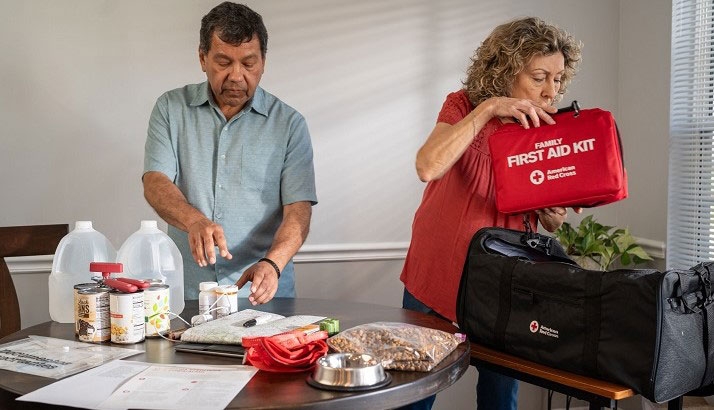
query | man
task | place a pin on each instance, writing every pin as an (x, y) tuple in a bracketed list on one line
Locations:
[(229, 166)]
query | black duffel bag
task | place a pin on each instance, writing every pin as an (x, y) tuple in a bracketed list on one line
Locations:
[(649, 330)]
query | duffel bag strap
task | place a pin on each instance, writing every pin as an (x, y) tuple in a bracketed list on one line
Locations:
[(538, 242), (593, 283), (702, 270), (708, 373), (527, 224), (704, 274), (504, 307)]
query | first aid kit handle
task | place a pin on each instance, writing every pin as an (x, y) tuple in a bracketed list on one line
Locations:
[(574, 107)]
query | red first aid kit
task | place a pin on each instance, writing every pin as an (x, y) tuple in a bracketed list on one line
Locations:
[(286, 352), (575, 162)]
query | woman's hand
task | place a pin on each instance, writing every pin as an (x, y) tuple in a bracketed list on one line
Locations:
[(552, 218), (521, 110), (447, 143)]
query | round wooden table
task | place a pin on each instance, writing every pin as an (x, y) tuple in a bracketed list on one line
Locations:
[(268, 390)]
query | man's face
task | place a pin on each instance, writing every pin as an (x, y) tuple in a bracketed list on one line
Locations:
[(233, 72)]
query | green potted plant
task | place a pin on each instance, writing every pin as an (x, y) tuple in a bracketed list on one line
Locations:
[(596, 246)]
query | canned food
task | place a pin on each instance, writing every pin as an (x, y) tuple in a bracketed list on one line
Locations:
[(154, 281), (227, 300), (127, 317), (92, 313), (156, 309), (77, 288)]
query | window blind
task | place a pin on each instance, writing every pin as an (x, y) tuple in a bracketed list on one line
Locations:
[(690, 219)]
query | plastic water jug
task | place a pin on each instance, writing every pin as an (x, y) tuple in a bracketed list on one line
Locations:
[(150, 254), (70, 266)]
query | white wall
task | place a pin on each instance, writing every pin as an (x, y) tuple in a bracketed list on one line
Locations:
[(79, 78), (643, 99)]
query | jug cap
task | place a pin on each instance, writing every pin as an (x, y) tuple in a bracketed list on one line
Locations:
[(83, 225), (149, 224)]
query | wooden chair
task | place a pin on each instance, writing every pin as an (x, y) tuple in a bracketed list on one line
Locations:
[(22, 241)]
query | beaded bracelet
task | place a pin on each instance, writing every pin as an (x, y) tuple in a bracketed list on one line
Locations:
[(273, 264)]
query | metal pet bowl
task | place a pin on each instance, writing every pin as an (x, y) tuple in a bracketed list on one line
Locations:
[(349, 372)]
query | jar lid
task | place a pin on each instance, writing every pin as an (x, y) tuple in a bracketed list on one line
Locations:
[(205, 286), (227, 289)]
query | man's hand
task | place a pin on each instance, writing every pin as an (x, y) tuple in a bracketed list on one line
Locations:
[(170, 203), (264, 282), (203, 236), (290, 236)]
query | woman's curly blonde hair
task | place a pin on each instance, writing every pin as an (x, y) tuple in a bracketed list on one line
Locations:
[(509, 48)]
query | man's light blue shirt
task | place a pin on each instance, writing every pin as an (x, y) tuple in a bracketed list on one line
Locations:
[(238, 173)]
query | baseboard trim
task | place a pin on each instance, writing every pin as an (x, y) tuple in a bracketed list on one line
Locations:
[(343, 252), (656, 249)]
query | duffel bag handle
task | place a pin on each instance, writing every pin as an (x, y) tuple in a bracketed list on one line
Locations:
[(690, 303), (539, 242), (695, 301), (534, 240), (704, 274)]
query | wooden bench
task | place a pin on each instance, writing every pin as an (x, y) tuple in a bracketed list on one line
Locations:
[(597, 393)]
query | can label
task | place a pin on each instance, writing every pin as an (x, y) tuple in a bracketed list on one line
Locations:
[(127, 317), (92, 311), (156, 308), (77, 288)]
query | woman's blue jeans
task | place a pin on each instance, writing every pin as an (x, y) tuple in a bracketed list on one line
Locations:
[(494, 391)]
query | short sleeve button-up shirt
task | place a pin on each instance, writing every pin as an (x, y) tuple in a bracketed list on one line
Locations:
[(239, 173)]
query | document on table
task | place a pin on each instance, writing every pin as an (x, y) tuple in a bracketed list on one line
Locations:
[(125, 384), (88, 389), (181, 387), (57, 358)]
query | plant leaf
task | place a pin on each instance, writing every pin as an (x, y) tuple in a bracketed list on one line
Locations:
[(625, 259), (602, 243), (639, 253)]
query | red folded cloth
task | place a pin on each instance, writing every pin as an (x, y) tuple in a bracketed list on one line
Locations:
[(286, 352)]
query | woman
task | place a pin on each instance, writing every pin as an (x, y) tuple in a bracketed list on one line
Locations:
[(519, 72)]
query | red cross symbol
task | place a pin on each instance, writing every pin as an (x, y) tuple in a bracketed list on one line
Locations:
[(537, 177), (534, 326)]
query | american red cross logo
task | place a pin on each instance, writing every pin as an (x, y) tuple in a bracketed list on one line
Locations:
[(534, 326), (537, 177)]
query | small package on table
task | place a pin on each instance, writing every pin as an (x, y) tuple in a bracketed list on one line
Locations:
[(400, 346)]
